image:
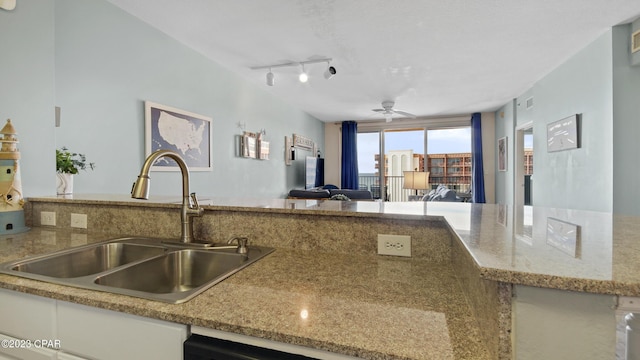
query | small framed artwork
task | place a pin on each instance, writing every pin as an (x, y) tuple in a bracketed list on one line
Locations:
[(249, 145), (184, 132), (635, 41), (502, 154), (303, 142), (564, 236), (563, 134), (263, 146)]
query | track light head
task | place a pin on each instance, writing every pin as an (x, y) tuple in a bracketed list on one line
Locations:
[(270, 78), (303, 76), (328, 74)]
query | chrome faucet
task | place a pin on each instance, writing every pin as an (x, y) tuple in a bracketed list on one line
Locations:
[(190, 207)]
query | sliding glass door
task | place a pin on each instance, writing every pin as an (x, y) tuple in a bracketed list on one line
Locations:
[(403, 151), (447, 158)]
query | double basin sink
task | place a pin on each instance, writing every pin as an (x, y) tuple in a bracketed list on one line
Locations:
[(140, 267)]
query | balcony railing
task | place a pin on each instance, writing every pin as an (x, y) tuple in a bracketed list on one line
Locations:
[(393, 191)]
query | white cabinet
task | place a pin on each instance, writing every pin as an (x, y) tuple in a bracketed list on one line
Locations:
[(13, 348), (554, 324), (24, 318), (82, 331), (27, 316), (104, 334)]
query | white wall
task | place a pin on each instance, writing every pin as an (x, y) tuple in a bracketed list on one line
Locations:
[(108, 63), (505, 120), (626, 127), (332, 154), (99, 64), (580, 178), (27, 89)]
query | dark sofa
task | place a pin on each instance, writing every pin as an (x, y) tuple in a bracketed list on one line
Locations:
[(442, 193), (326, 194)]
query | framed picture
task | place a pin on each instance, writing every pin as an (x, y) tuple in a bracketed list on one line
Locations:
[(184, 132), (263, 146), (502, 154), (563, 134), (635, 41), (249, 145)]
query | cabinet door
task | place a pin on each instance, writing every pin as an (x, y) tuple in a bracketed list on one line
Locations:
[(24, 353), (103, 334), (27, 316)]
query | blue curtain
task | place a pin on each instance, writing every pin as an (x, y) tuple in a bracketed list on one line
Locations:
[(477, 169), (349, 155)]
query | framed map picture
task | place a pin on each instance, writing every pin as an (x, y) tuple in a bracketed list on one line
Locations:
[(184, 132)]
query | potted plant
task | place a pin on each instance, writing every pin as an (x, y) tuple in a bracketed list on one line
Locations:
[(67, 165)]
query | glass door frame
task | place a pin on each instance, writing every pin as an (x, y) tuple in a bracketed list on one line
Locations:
[(418, 124)]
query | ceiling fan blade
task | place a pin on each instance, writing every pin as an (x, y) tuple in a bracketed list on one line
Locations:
[(378, 110), (404, 113)]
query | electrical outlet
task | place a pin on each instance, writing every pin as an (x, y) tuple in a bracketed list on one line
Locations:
[(48, 218), (79, 221), (395, 245)]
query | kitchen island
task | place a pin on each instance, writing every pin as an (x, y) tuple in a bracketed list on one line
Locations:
[(325, 287)]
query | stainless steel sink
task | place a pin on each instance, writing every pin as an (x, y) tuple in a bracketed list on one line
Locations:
[(87, 260), (141, 267)]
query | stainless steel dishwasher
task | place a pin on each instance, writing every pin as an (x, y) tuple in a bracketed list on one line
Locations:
[(199, 347)]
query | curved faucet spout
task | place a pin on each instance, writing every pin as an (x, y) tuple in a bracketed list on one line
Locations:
[(190, 207)]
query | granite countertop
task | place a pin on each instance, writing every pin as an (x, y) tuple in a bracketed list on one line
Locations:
[(366, 305), (360, 305), (509, 245)]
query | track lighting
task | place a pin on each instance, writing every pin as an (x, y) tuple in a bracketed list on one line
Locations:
[(303, 77), (328, 74), (270, 79)]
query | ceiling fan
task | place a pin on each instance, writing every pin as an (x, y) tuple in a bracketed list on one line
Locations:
[(388, 111)]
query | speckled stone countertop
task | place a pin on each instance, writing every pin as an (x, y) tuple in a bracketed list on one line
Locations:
[(509, 245), (426, 316), (360, 305)]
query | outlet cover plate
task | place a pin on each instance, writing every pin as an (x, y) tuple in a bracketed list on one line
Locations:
[(394, 245), (79, 221), (48, 218)]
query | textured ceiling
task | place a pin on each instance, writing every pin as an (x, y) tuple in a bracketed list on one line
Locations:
[(433, 57)]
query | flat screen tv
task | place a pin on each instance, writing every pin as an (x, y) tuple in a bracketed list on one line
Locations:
[(313, 172)]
